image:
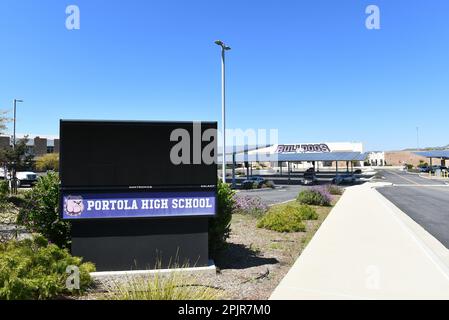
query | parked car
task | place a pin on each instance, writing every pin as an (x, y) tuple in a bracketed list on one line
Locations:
[(26, 179), (424, 169), (435, 168), (344, 178), (253, 182), (3, 175)]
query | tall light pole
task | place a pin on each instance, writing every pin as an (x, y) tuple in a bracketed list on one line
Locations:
[(224, 48), (14, 131), (14, 178)]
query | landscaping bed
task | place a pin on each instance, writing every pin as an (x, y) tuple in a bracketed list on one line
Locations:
[(263, 243), (257, 259)]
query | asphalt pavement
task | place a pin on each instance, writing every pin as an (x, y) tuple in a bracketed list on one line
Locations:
[(424, 200), (273, 196)]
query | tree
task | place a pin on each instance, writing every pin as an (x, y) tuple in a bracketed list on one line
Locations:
[(41, 212), (3, 121), (17, 158), (220, 225), (48, 162)]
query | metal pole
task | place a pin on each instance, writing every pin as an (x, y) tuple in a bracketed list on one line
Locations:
[(233, 170), (223, 111), (14, 167), (14, 131), (13, 181)]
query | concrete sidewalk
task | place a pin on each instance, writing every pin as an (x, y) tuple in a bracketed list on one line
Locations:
[(368, 249)]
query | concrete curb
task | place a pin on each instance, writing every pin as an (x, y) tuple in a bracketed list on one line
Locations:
[(210, 269), (283, 202), (259, 190)]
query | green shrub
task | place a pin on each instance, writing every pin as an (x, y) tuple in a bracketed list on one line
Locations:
[(4, 189), (48, 162), (247, 186), (307, 213), (284, 219), (269, 184), (421, 164), (250, 186), (334, 190), (315, 197), (41, 212), (35, 269), (220, 225)]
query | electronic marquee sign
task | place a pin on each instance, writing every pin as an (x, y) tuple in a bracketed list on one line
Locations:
[(138, 194), (126, 169)]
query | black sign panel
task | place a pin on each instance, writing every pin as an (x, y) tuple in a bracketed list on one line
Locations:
[(109, 154), (138, 194)]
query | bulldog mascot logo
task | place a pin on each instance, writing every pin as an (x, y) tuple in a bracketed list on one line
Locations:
[(74, 206)]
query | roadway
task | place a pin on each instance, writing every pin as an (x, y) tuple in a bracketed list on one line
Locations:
[(425, 201), (273, 196)]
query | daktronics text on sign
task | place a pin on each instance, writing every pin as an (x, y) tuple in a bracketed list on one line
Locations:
[(302, 148)]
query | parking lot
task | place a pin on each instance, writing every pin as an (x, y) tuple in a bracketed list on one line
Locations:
[(424, 200), (288, 189), (273, 196)]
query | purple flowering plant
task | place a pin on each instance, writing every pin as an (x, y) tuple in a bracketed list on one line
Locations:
[(316, 196), (249, 206)]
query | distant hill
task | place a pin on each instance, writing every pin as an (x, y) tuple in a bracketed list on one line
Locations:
[(446, 147)]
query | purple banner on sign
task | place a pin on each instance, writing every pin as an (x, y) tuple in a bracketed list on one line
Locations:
[(138, 205)]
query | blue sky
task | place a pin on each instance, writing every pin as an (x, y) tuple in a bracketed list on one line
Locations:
[(309, 68)]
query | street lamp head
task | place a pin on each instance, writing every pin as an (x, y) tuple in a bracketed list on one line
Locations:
[(222, 45), (18, 100)]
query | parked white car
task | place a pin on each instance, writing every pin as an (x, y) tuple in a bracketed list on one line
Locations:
[(26, 179)]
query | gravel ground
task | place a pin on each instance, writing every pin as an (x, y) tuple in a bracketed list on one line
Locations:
[(8, 229)]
